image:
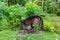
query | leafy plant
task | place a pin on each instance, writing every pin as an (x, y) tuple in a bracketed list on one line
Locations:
[(32, 8), (11, 16), (36, 26), (48, 26), (15, 15)]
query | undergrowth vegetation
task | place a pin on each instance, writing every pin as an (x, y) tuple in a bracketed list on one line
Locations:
[(12, 16), (48, 26), (10, 35), (13, 12)]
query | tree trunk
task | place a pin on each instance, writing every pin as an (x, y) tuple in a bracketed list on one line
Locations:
[(43, 5), (55, 2)]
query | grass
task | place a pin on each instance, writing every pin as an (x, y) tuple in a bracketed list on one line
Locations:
[(44, 36), (10, 35), (7, 34)]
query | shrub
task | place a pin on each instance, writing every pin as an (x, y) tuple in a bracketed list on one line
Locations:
[(3, 21), (11, 16), (15, 15), (32, 8), (2, 8), (48, 26), (57, 26)]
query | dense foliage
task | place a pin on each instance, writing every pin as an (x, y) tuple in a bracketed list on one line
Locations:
[(48, 26), (13, 12)]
